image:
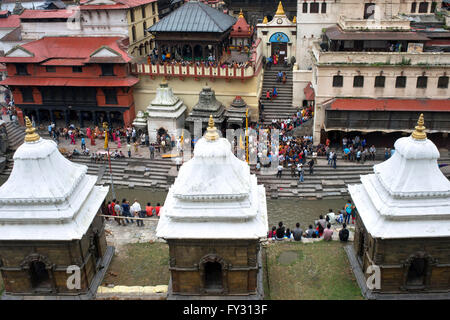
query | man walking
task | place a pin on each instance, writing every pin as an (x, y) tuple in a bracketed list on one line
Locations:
[(280, 171), (152, 151), (311, 166)]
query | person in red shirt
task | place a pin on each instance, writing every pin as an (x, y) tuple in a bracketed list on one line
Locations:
[(158, 207), (150, 210)]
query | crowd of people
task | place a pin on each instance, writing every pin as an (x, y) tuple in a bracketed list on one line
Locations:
[(322, 228), (118, 209)]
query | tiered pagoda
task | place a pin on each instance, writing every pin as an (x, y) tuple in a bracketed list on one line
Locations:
[(166, 113), (207, 105), (242, 33), (214, 218), (403, 224), (49, 227)]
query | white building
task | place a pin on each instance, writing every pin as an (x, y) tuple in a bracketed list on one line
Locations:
[(166, 113)]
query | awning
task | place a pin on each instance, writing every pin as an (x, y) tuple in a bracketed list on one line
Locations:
[(63, 62), (335, 33), (68, 82), (309, 92), (442, 105)]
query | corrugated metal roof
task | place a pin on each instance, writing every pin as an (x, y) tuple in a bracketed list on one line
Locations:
[(194, 16)]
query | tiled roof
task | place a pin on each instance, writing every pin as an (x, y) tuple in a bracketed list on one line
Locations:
[(45, 14), (390, 105), (12, 21), (68, 48), (119, 4), (194, 16)]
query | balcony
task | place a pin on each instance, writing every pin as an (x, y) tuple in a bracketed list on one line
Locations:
[(350, 24), (379, 58)]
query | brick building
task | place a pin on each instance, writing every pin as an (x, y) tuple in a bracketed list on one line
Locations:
[(83, 80)]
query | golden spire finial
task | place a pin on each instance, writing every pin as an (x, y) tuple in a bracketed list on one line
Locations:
[(265, 21), (280, 10), (294, 20), (211, 131), (419, 133), (31, 135), (241, 14)]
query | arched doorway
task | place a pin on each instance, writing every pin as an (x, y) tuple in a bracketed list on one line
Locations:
[(416, 272), (213, 276), (40, 279), (278, 43)]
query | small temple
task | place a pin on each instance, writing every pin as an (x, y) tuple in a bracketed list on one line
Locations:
[(403, 223), (236, 113), (195, 31), (213, 220), (207, 105), (48, 222), (166, 113), (242, 33)]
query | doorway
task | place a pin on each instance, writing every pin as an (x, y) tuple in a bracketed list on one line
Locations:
[(416, 272), (40, 279), (213, 276), (280, 49)]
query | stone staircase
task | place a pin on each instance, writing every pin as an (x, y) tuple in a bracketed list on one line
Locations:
[(16, 134), (129, 173), (280, 107)]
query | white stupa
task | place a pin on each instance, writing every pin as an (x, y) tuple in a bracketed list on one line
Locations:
[(214, 196), (166, 111), (47, 197), (407, 196)]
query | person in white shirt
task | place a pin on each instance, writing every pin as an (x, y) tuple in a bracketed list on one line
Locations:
[(135, 210)]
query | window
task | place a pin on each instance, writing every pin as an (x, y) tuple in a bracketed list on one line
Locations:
[(423, 7), (132, 15), (153, 8), (314, 7), (27, 94), (443, 82), (107, 69), (305, 7), (145, 27), (338, 81), (154, 20), (369, 10), (77, 69), (433, 7), (323, 8), (358, 81), (133, 34), (50, 69), (379, 81), (110, 96), (422, 82), (21, 69), (400, 82), (413, 7), (143, 11)]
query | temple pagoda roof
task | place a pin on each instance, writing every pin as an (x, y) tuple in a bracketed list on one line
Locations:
[(194, 16), (241, 28)]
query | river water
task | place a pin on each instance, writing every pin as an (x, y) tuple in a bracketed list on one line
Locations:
[(290, 211)]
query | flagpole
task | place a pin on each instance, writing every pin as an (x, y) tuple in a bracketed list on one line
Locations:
[(246, 135), (105, 126)]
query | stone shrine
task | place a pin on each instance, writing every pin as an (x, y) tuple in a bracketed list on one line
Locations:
[(166, 113), (403, 223), (214, 218), (48, 222), (207, 105), (236, 114)]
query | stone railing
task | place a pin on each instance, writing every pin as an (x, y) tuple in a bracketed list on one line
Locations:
[(349, 24), (252, 68), (379, 58)]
